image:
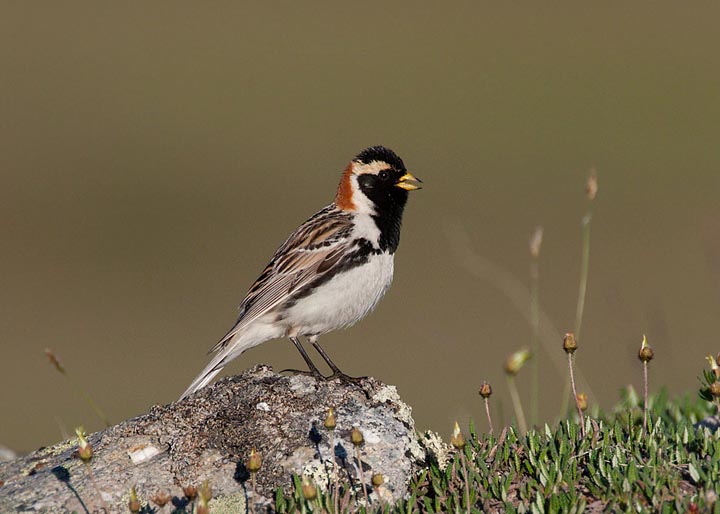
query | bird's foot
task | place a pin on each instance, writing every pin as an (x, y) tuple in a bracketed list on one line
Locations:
[(309, 373), (337, 374)]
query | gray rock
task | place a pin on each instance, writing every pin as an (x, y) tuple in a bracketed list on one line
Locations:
[(209, 435)]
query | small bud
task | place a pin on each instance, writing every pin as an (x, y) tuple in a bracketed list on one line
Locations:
[(161, 499), (645, 354), (377, 480), (715, 389), (569, 343), (516, 361), (308, 489), (254, 462), (85, 451), (134, 504), (457, 439), (205, 495), (485, 390), (356, 437), (190, 492), (536, 242), (591, 186), (582, 401), (330, 419), (205, 491), (714, 365), (54, 360)]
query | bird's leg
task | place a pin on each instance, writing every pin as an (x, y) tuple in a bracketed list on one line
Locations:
[(336, 371), (313, 369)]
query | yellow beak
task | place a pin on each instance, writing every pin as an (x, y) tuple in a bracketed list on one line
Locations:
[(408, 182)]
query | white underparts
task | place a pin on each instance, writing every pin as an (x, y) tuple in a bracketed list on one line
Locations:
[(344, 299)]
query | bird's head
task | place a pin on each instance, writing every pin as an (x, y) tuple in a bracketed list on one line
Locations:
[(374, 182)]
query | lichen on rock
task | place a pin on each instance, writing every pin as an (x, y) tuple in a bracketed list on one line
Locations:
[(209, 436)]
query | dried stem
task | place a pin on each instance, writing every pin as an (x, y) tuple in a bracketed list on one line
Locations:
[(487, 411), (574, 392), (645, 394), (582, 292), (362, 475), (94, 483)]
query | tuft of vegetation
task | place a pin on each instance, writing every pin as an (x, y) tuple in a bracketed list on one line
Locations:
[(673, 466)]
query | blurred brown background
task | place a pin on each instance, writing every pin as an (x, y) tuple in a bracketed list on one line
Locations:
[(154, 155)]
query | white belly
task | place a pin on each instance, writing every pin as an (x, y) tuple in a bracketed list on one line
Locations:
[(345, 299)]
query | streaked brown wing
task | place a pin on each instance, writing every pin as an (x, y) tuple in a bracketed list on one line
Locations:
[(311, 251)]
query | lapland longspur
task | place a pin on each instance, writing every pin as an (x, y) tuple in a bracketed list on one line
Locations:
[(332, 271)]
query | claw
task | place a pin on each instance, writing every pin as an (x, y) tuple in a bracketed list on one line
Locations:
[(311, 373), (344, 378)]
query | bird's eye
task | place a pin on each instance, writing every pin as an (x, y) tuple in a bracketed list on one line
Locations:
[(384, 175)]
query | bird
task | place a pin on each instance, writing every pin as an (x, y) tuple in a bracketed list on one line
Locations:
[(331, 272)]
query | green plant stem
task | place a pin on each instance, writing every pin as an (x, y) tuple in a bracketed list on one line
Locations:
[(83, 392), (336, 474), (467, 482), (574, 392), (582, 291), (584, 267), (517, 404), (534, 339), (489, 418)]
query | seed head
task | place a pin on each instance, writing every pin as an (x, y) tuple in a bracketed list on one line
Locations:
[(569, 343), (536, 242), (205, 494), (85, 451), (190, 492), (308, 489), (582, 401), (254, 462), (645, 354), (485, 389), (715, 389), (356, 437), (714, 365), (591, 186), (161, 499), (377, 480), (133, 503), (330, 419), (54, 360), (457, 439), (516, 361)]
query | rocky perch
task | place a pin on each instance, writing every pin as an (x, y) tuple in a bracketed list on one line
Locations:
[(209, 435)]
